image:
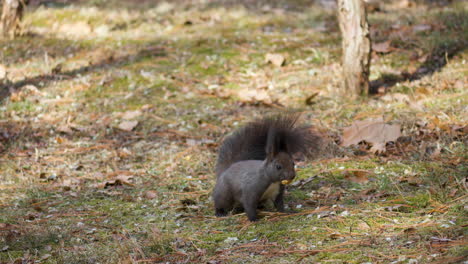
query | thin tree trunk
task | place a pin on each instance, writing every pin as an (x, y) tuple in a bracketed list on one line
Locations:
[(356, 43), (12, 13)]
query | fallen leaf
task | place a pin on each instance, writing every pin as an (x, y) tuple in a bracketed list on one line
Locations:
[(301, 246), (128, 125), (102, 30), (275, 59), (441, 124), (396, 97), (411, 180), (423, 91), (382, 47), (164, 7), (441, 239), (373, 131), (150, 195), (335, 236), (146, 107), (358, 176), (64, 129), (403, 4), (129, 115), (421, 27), (76, 29), (44, 257), (453, 193), (26, 91), (363, 226), (119, 181), (255, 96), (124, 153), (410, 230)]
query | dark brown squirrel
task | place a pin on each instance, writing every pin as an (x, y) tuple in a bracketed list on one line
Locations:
[(255, 159)]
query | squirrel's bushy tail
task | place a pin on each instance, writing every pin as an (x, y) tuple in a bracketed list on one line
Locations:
[(250, 141)]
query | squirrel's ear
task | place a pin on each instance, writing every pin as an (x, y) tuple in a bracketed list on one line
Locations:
[(272, 144)]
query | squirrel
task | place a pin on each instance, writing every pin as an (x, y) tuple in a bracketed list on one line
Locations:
[(256, 161)]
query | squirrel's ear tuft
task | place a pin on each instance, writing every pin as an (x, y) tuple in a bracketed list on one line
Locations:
[(271, 146), (276, 143)]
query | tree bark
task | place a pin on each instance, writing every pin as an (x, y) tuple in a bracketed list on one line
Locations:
[(356, 43), (11, 17)]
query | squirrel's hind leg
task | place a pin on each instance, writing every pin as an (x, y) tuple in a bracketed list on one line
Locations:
[(279, 201)]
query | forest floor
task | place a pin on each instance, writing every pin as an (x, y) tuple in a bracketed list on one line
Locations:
[(111, 114)]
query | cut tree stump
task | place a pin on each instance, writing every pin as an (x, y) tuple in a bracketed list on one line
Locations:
[(356, 43)]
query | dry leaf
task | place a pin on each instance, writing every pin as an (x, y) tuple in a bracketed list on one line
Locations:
[(128, 125), (378, 147), (421, 27), (151, 195), (275, 59), (76, 29), (410, 230), (373, 131), (423, 91), (65, 129), (301, 246), (120, 180), (358, 176), (403, 4), (102, 30), (129, 115), (397, 97), (382, 47), (335, 236), (124, 153), (413, 180), (441, 124), (255, 96), (28, 90), (146, 107), (59, 140), (363, 226)]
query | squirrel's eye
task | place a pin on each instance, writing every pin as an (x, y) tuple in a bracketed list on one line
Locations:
[(278, 167)]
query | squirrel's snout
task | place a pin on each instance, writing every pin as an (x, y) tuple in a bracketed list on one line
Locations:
[(292, 175)]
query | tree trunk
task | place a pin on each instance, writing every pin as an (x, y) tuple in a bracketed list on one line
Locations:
[(356, 43), (11, 16)]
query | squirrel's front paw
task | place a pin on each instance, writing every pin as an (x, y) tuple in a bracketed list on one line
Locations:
[(253, 219)]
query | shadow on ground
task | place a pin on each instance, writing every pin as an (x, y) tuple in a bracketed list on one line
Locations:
[(109, 62), (453, 40)]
